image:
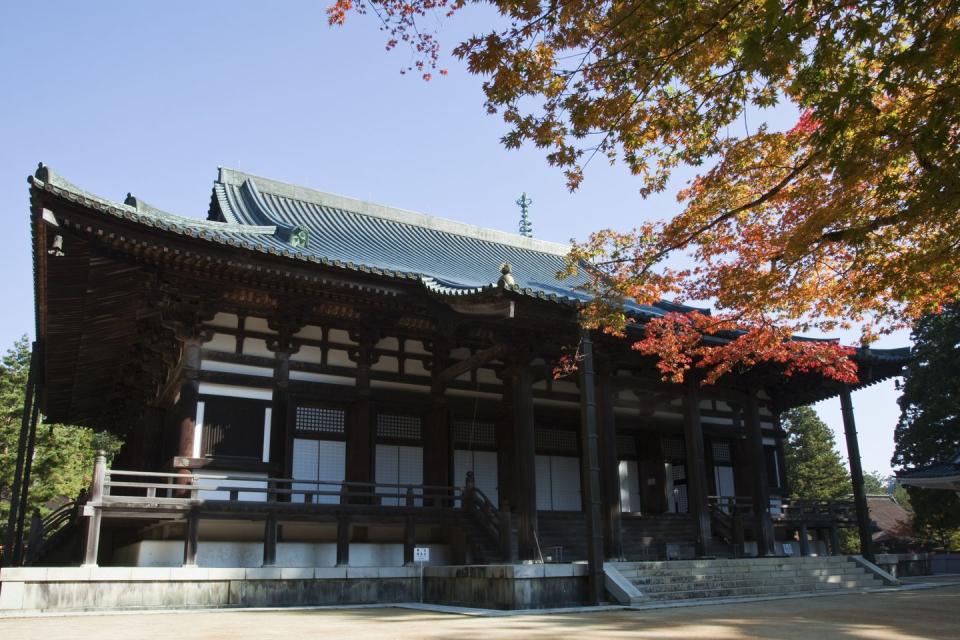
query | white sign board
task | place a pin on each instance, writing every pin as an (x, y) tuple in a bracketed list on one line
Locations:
[(421, 554)]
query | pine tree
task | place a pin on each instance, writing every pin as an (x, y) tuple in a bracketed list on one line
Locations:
[(63, 456), (928, 431), (815, 470)]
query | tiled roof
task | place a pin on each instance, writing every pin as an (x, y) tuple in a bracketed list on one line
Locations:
[(446, 257), (450, 258), (949, 469)]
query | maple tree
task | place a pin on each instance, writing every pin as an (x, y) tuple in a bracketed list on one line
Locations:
[(848, 219)]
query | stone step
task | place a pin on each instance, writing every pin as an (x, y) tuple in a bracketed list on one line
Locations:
[(723, 562), (807, 585), (736, 575), (735, 592)]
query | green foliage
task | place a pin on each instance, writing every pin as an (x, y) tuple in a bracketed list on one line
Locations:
[(63, 457), (928, 431), (814, 468), (874, 484)]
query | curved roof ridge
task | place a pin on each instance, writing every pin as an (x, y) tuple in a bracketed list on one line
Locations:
[(237, 178)]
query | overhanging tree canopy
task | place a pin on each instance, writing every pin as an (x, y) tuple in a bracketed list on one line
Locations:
[(847, 219)]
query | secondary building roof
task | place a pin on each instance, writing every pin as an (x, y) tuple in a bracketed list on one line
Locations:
[(944, 475)]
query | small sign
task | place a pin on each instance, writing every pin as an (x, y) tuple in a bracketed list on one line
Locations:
[(787, 548), (421, 554)]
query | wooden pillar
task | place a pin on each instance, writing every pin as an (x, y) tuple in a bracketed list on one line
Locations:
[(13, 542), (856, 474), (696, 468), (609, 468), (343, 541), (270, 530), (186, 405), (590, 471), (763, 525), (281, 426), (191, 539), (834, 540), (525, 463), (360, 449), (92, 534), (804, 536), (506, 457), (436, 449)]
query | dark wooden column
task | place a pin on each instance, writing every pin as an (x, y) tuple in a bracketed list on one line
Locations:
[(609, 466), (590, 471), (360, 441), (696, 467), (270, 535), (761, 487), (856, 474), (525, 461), (436, 442), (506, 467)]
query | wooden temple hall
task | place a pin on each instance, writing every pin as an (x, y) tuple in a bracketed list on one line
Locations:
[(308, 380)]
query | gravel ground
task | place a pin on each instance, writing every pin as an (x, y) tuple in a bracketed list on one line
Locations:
[(895, 615)]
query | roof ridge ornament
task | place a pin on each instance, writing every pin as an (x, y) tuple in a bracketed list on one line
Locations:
[(506, 277), (43, 172)]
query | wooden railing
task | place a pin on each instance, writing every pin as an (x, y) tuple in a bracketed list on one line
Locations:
[(730, 516), (119, 492), (46, 532), (173, 489)]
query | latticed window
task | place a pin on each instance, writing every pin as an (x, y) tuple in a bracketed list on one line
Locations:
[(721, 452), (468, 433), (398, 427), (674, 449), (320, 420), (626, 447), (556, 440)]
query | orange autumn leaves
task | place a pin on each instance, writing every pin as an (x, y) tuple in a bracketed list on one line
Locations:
[(848, 220)]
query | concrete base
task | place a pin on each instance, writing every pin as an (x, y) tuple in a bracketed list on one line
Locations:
[(36, 589)]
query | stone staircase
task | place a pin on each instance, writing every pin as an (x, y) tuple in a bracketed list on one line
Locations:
[(744, 577)]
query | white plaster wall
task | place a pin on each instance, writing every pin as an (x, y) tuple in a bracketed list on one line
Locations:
[(221, 342), (169, 553)]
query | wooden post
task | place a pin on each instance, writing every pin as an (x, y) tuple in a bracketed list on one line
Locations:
[(93, 505), (804, 536), (13, 542), (360, 449), (343, 541), (506, 533), (191, 539), (409, 531), (609, 467), (590, 471), (525, 463), (834, 540), (270, 540), (763, 525), (856, 474), (436, 449), (696, 468)]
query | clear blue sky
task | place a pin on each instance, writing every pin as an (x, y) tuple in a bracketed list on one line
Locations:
[(151, 97)]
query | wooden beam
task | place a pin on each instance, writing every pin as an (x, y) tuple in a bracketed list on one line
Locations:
[(473, 362)]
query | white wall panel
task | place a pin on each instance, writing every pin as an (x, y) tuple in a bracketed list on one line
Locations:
[(629, 486), (565, 474)]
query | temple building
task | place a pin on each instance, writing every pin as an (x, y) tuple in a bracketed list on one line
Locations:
[(304, 380)]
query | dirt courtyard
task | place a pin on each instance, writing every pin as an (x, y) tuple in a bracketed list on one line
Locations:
[(900, 615)]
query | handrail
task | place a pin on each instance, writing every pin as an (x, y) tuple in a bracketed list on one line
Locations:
[(44, 530), (181, 488)]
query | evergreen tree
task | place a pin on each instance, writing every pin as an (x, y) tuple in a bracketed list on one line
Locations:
[(63, 456), (928, 431), (815, 470)]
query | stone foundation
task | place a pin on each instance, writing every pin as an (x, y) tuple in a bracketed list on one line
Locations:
[(507, 586), (34, 589)]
